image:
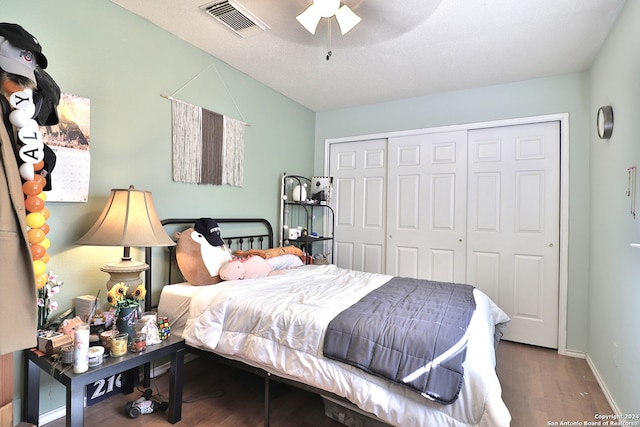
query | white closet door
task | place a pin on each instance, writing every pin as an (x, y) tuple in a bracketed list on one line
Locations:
[(359, 199), (426, 201), (513, 225)]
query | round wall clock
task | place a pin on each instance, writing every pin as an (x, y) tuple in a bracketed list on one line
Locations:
[(605, 122)]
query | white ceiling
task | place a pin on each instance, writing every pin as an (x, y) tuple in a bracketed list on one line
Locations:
[(401, 49)]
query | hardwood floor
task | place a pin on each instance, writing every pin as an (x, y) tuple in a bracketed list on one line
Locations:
[(214, 396), (539, 387)]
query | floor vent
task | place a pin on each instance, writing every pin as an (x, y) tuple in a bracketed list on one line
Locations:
[(235, 17)]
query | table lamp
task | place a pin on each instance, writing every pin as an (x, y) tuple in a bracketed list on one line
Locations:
[(128, 219)]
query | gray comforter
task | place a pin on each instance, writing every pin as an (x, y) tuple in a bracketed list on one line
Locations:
[(410, 331)]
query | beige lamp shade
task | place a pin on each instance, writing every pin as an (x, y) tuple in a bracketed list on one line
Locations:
[(128, 219)]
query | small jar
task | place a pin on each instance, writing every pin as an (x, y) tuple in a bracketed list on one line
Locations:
[(96, 353), (105, 339), (119, 344), (66, 354), (149, 316), (139, 343)]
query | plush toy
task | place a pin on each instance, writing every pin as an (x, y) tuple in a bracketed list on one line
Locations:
[(68, 325), (272, 252), (245, 268), (200, 252)]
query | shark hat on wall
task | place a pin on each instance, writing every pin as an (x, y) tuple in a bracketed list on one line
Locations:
[(210, 230)]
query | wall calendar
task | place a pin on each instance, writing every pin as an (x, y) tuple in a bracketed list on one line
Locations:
[(70, 141)]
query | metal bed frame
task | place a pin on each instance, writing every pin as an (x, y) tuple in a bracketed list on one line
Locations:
[(260, 240)]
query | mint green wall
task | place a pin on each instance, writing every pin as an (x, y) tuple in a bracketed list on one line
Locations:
[(614, 269), (560, 94), (123, 63)]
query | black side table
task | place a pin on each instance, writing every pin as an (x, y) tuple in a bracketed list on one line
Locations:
[(75, 383)]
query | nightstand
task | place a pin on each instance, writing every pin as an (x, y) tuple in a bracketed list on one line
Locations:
[(76, 383)]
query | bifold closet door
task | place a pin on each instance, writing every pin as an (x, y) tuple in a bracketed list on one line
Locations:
[(426, 205), (514, 225), (359, 170), (479, 206)]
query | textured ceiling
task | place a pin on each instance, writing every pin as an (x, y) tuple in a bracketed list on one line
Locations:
[(401, 49)]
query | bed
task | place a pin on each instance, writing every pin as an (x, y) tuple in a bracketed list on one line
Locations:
[(276, 327)]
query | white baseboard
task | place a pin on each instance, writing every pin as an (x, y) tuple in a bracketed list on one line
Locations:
[(604, 388), (60, 412), (50, 416), (596, 374), (574, 353)]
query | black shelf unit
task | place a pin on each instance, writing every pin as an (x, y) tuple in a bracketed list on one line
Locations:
[(298, 212)]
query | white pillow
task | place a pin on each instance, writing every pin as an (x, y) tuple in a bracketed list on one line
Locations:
[(282, 262)]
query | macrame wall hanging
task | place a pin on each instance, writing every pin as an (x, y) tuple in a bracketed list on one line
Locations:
[(208, 147)]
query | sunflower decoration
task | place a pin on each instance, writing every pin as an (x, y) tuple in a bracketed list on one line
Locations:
[(119, 296), (140, 293)]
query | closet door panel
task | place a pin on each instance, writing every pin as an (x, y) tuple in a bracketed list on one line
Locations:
[(359, 173), (513, 238), (344, 254), (485, 273), (406, 203), (345, 193), (484, 206), (407, 259), (344, 190), (426, 221), (373, 258), (443, 264), (374, 203)]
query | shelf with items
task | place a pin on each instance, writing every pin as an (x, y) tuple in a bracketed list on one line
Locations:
[(307, 220)]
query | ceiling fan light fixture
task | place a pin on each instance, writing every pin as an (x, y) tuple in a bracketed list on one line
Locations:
[(319, 9), (347, 19), (310, 18), (327, 8)]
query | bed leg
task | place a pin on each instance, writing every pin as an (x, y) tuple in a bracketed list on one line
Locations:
[(267, 400)]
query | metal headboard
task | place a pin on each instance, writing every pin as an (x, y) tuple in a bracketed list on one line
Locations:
[(259, 235)]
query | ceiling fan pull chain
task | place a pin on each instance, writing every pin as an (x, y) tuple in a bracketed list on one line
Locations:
[(329, 44)]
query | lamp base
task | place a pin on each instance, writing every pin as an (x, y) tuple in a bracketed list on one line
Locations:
[(126, 271)]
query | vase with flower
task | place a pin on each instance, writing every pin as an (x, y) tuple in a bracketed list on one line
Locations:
[(45, 304), (127, 306)]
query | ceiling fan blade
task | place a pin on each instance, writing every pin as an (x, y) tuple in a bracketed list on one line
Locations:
[(347, 19), (310, 18)]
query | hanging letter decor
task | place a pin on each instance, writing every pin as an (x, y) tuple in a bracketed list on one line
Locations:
[(208, 148)]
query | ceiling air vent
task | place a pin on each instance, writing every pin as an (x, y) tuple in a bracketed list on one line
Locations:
[(236, 17)]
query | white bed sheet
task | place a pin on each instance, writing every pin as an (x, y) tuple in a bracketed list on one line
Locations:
[(277, 323)]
